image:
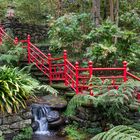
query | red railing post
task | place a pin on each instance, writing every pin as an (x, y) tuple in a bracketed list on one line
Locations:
[(90, 63), (65, 66), (125, 71), (16, 41), (77, 77), (50, 67), (28, 48)]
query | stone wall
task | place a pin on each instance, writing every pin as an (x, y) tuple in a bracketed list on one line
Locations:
[(87, 117), (11, 124), (21, 30)]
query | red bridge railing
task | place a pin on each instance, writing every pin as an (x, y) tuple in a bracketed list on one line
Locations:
[(61, 69)]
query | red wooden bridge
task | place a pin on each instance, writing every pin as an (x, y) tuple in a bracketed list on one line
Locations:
[(61, 69)]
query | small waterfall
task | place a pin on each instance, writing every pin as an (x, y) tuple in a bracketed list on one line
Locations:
[(39, 113)]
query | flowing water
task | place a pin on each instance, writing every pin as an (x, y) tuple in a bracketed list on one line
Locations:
[(44, 137), (39, 113)]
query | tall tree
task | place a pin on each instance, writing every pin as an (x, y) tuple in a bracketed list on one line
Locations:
[(111, 3), (96, 12)]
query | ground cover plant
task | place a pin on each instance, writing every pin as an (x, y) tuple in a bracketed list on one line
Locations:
[(25, 134)]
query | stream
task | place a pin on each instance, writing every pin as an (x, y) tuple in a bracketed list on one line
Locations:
[(43, 137)]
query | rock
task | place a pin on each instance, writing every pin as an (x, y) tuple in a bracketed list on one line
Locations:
[(4, 127), (35, 125), (1, 121), (21, 124), (27, 115), (53, 102), (56, 123), (11, 119), (53, 116), (0, 133), (8, 131)]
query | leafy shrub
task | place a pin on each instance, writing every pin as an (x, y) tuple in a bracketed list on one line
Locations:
[(68, 31), (24, 134), (130, 20), (16, 87), (120, 132), (109, 43), (10, 54), (113, 105)]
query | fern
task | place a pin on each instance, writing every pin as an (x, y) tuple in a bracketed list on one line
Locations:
[(112, 104), (78, 100), (120, 132), (47, 88)]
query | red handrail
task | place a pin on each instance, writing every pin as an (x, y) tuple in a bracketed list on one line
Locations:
[(133, 76), (66, 71)]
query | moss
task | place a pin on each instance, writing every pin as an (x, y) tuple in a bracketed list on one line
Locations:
[(25, 134)]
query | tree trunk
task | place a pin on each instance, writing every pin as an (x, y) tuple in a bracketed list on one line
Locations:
[(117, 16), (111, 3), (96, 12), (105, 10)]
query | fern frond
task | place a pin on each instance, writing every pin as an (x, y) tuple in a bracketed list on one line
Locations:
[(47, 88), (99, 136), (120, 132)]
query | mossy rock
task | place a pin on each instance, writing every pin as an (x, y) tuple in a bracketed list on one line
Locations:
[(52, 101)]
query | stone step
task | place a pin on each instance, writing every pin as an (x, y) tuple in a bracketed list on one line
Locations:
[(43, 79), (60, 86), (34, 69), (38, 73), (70, 94)]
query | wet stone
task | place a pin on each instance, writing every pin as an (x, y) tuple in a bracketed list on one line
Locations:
[(35, 125), (56, 124), (53, 116)]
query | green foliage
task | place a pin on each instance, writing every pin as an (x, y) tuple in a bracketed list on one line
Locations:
[(73, 133), (78, 6), (10, 54), (109, 44), (24, 134), (130, 20), (3, 6), (15, 87), (67, 31), (113, 105), (1, 138), (47, 88), (135, 126), (31, 11), (93, 131), (120, 132)]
